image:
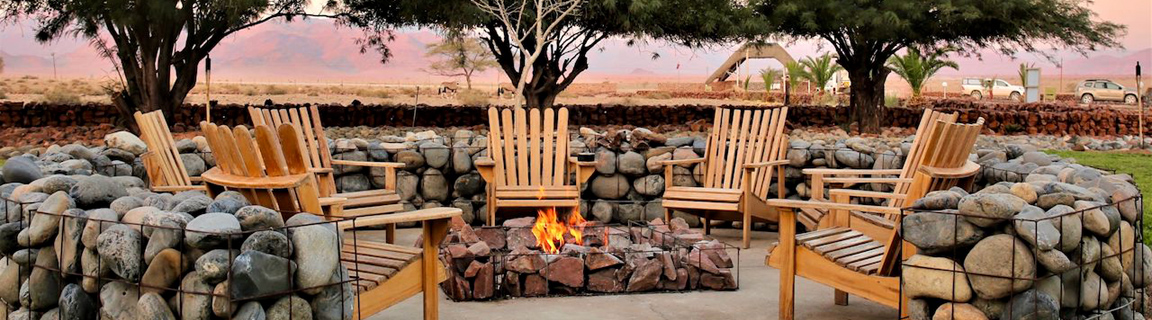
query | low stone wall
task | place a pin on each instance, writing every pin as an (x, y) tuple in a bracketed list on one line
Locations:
[(1003, 117)]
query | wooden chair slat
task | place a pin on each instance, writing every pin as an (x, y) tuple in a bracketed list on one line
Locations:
[(521, 125), (511, 174), (549, 160), (560, 171), (496, 147), (534, 152)]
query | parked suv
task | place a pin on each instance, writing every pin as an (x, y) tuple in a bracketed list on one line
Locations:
[(1000, 89), (1092, 90)]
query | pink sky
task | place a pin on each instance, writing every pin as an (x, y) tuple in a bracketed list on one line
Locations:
[(315, 51)]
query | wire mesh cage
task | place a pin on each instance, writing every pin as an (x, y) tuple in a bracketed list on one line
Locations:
[(1082, 260)]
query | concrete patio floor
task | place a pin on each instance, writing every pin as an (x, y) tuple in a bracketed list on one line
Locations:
[(757, 298)]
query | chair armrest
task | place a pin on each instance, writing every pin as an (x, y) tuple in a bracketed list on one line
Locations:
[(328, 201), (393, 218), (584, 170), (867, 180), (320, 170), (581, 163), (218, 177), (681, 161), (751, 166), (486, 167), (801, 204), (865, 194), (967, 170), (484, 162), (368, 163)]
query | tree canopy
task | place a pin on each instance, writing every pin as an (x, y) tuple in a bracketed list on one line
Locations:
[(692, 23), (157, 46), (459, 56), (864, 34)]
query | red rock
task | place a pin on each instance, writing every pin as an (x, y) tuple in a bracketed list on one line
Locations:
[(525, 261), (459, 257), (463, 230), (717, 252), (483, 287), (522, 237), (681, 278), (494, 237), (566, 270), (512, 284), (604, 281), (460, 290), (701, 261), (596, 259), (525, 222), (473, 269), (646, 276), (721, 281), (693, 277), (535, 285), (690, 237), (678, 224), (669, 266), (480, 249)]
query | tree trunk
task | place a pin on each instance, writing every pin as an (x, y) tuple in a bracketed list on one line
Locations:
[(867, 98)]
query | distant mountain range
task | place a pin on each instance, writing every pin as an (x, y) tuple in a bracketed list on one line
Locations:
[(317, 51)]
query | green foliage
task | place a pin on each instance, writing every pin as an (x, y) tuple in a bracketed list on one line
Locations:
[(1130, 163), (1023, 72), (820, 70), (769, 75), (916, 68), (891, 101), (747, 82), (865, 34), (796, 72), (459, 56)]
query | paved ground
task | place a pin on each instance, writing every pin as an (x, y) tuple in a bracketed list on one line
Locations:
[(756, 298)]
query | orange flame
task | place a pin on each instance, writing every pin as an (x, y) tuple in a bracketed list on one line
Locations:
[(550, 231)]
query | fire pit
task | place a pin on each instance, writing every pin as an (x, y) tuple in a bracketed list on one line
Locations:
[(550, 256)]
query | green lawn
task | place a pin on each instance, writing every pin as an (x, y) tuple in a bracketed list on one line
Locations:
[(1137, 165)]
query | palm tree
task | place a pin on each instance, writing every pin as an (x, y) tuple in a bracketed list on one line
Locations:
[(769, 75), (1023, 73), (796, 73), (916, 68), (820, 70)]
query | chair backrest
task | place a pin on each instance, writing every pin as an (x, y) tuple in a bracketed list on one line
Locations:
[(258, 163), (162, 161), (928, 123), (946, 146), (306, 119), (530, 148), (741, 136)]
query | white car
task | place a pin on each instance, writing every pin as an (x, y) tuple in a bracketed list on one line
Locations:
[(1001, 89)]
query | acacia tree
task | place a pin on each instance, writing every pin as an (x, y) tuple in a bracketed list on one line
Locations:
[(459, 56), (563, 52), (865, 34), (156, 46), (915, 67)]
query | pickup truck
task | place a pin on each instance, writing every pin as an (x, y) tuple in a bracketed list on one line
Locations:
[(1001, 89)]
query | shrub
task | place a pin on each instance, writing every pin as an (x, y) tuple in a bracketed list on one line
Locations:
[(61, 95), (472, 98), (274, 90), (371, 93), (3, 95), (891, 101)]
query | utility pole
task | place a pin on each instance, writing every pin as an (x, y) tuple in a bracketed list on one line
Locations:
[(1140, 104), (54, 77), (208, 89)]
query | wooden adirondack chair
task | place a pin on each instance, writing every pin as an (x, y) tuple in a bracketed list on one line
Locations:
[(528, 163), (853, 257), (818, 218), (746, 146), (166, 171), (319, 160), (277, 177)]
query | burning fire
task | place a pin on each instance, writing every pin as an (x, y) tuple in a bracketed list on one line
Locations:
[(550, 231)]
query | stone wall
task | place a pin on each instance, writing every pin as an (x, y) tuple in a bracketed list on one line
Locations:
[(1003, 117)]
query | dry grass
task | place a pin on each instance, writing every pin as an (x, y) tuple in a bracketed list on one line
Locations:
[(472, 98), (61, 94)]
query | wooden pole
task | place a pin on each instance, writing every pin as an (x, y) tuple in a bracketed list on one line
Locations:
[(1140, 105), (208, 89)]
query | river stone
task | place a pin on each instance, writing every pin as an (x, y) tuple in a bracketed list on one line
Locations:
[(317, 255), (854, 159), (469, 184), (924, 278), (958, 311), (45, 284), (1110, 267), (995, 207), (119, 247), (213, 265), (93, 269), (1093, 292), (118, 300), (227, 205), (1054, 260), (433, 185), (21, 169), (126, 141), (255, 273), (1024, 191), (934, 232), (938, 200), (1030, 305), (12, 278), (153, 307), (651, 185), (1095, 219), (45, 224), (195, 205), (96, 191), (9, 232), (335, 302), (259, 218), (55, 183), (631, 164), (655, 163), (1089, 253), (605, 161), (610, 187), (68, 244), (193, 164), (75, 304), (123, 205), (1032, 226), (290, 308), (164, 271), (412, 160), (211, 230), (221, 306), (461, 157), (435, 154), (270, 242), (1122, 241), (1069, 226), (195, 303), (250, 310), (170, 236), (1139, 271), (1000, 255)]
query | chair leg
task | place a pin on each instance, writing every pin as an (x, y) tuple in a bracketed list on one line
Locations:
[(788, 269), (668, 216), (390, 234), (491, 210), (428, 283), (747, 229), (841, 298), (707, 225)]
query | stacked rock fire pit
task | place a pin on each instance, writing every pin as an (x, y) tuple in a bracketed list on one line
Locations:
[(1065, 244), (591, 258)]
